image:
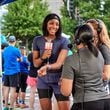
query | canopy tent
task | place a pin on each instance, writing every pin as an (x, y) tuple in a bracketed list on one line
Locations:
[(3, 2)]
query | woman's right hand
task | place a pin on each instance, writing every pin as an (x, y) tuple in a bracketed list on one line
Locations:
[(46, 54)]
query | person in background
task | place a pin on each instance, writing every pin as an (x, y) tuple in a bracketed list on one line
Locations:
[(21, 89), (11, 56), (49, 53), (32, 81), (83, 71), (102, 41)]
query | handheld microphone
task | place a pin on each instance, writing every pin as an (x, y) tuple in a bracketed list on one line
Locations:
[(48, 46)]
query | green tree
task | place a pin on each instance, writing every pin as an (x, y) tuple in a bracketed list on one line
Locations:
[(98, 9), (24, 19)]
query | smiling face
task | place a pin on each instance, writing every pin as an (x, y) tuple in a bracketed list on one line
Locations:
[(52, 26)]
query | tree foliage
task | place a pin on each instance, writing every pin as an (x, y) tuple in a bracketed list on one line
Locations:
[(98, 9), (24, 18)]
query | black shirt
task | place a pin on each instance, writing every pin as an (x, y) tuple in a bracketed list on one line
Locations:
[(33, 70)]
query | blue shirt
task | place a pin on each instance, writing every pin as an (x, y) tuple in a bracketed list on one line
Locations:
[(10, 56), (24, 64)]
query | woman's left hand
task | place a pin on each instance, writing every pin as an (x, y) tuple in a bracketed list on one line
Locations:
[(42, 71)]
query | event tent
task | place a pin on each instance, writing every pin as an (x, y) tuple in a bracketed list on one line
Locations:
[(3, 2)]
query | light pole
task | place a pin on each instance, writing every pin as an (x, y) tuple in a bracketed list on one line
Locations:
[(70, 8)]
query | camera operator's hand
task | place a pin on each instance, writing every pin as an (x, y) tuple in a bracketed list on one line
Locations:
[(46, 54)]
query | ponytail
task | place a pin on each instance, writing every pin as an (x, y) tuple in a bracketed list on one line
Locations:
[(92, 48)]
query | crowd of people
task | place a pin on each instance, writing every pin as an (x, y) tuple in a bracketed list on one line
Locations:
[(52, 69)]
